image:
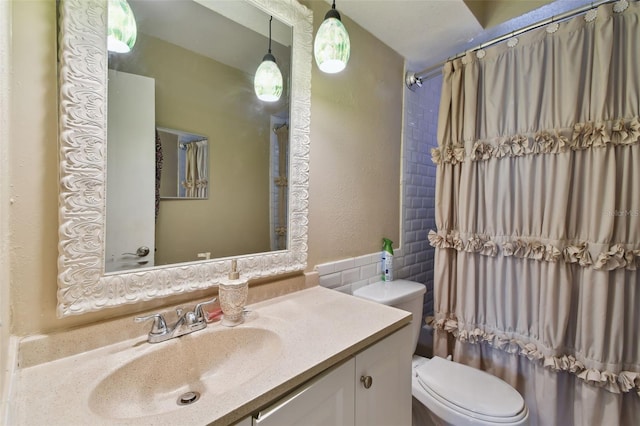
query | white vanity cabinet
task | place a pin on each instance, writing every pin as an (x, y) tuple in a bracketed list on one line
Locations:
[(371, 388)]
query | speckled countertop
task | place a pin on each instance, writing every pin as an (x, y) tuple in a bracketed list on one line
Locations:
[(284, 342)]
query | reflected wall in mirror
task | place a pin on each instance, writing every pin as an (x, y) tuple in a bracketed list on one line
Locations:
[(241, 135), (201, 64)]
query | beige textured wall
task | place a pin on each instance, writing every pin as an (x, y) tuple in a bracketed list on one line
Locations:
[(356, 134), (235, 218), (33, 173), (355, 163), (5, 10)]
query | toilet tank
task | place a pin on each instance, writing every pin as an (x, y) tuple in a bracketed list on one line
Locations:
[(401, 294)]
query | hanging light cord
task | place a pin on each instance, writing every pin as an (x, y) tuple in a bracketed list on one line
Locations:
[(271, 19)]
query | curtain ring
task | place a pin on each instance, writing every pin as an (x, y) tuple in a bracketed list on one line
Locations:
[(620, 6)]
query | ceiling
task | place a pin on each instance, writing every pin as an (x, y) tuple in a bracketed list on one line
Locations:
[(424, 32), (231, 32), (427, 32)]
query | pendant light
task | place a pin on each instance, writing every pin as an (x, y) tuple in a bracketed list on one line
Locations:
[(332, 46), (121, 28), (268, 79)]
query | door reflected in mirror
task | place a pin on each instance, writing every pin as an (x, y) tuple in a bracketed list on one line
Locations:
[(230, 174)]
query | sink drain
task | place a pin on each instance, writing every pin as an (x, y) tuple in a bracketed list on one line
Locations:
[(188, 398)]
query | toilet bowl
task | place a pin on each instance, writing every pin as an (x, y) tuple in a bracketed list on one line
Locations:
[(451, 393)]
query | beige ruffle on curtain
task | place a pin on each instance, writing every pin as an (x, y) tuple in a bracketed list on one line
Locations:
[(537, 265)]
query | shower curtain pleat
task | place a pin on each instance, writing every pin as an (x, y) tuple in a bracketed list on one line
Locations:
[(202, 156)]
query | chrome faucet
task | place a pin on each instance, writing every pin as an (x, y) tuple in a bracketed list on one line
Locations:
[(187, 323)]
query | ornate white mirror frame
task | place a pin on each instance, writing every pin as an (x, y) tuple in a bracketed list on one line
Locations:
[(83, 285)]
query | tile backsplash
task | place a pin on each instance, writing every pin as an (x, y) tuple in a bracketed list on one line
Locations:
[(347, 275)]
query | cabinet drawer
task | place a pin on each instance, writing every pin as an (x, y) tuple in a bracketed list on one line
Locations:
[(327, 400)]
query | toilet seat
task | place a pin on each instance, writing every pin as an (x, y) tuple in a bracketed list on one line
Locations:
[(461, 394)]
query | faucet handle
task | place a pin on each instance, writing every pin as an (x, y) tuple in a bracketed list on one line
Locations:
[(199, 312), (159, 324)]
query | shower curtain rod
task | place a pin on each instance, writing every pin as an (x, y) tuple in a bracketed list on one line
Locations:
[(276, 128), (183, 145), (413, 79)]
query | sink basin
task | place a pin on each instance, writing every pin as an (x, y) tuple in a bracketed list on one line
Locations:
[(207, 362)]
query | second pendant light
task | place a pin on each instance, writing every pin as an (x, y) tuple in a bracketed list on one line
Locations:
[(267, 82)]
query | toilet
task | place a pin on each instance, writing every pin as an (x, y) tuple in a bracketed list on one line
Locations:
[(447, 392)]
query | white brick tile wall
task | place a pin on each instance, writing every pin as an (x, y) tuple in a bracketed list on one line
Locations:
[(331, 280), (414, 260), (420, 135), (351, 275)]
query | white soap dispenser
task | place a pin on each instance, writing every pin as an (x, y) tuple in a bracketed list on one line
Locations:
[(233, 297)]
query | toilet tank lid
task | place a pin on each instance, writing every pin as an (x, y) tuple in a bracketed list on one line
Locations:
[(391, 292)]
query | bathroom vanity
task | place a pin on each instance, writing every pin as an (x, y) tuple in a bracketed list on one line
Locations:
[(368, 389), (313, 355)]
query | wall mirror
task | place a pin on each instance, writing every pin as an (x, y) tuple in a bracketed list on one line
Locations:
[(94, 276)]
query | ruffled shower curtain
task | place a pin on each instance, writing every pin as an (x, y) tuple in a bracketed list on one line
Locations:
[(202, 178), (190, 170), (538, 217), (196, 181)]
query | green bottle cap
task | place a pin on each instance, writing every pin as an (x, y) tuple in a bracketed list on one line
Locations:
[(387, 245)]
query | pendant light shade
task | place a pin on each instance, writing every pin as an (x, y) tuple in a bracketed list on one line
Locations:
[(332, 46), (121, 29), (267, 82)]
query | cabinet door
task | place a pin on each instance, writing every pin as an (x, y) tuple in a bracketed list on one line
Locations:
[(325, 401), (383, 381)]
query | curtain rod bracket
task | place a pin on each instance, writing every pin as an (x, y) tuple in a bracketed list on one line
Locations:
[(412, 80)]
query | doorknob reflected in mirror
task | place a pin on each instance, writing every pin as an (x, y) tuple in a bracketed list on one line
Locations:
[(366, 381), (141, 252)]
